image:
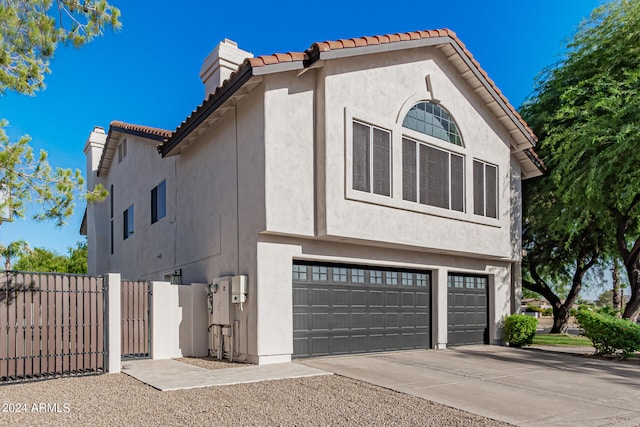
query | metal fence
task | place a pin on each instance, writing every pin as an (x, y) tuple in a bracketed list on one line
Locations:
[(51, 324), (135, 306)]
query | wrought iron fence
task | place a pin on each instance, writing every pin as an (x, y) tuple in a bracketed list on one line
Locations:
[(51, 324)]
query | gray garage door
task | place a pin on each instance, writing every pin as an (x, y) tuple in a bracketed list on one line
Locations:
[(468, 309), (344, 309)]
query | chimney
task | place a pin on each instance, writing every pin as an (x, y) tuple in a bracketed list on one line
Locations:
[(221, 62)]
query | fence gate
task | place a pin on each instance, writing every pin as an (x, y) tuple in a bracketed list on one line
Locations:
[(51, 324), (135, 306)]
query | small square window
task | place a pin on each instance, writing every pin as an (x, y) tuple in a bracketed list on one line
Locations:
[(407, 279), (375, 276), (392, 278), (319, 273), (339, 274), (481, 282), (458, 282), (357, 275), (299, 272), (422, 279), (470, 282)]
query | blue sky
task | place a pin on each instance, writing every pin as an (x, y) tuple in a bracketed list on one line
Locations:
[(147, 73)]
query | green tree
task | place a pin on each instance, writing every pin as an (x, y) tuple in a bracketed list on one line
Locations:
[(45, 260), (586, 111), (41, 259), (30, 31), (77, 259), (13, 250)]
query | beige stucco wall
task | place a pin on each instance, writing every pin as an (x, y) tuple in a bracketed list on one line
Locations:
[(269, 182), (391, 220)]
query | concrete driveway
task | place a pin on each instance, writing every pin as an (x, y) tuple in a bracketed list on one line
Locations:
[(522, 387)]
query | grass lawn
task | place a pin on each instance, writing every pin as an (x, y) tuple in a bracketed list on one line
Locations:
[(561, 339)]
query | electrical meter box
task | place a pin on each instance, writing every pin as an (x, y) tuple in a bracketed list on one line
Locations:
[(239, 285), (221, 301)]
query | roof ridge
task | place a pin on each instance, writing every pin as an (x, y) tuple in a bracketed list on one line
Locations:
[(312, 54)]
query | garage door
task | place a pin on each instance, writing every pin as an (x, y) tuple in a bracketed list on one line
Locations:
[(345, 309), (468, 309)]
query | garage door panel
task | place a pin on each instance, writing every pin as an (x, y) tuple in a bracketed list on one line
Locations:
[(340, 297), (301, 321), (376, 298), (320, 297), (320, 321), (359, 320), (467, 309), (366, 309), (392, 320), (376, 320), (393, 299), (408, 299), (422, 300), (341, 321), (320, 346), (300, 296), (340, 344), (358, 298), (301, 345)]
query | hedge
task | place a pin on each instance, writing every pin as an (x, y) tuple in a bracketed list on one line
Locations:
[(519, 329), (610, 335)]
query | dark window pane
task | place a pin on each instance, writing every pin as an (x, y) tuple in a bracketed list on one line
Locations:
[(361, 144), (159, 202), (478, 188), (437, 163), (492, 191), (127, 223), (154, 205), (409, 172), (162, 199), (457, 183), (381, 162)]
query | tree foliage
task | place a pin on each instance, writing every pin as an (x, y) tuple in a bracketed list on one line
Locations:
[(44, 260), (586, 111), (30, 31), (13, 250)]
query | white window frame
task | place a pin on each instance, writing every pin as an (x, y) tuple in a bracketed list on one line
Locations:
[(372, 127), (418, 183), (484, 189)]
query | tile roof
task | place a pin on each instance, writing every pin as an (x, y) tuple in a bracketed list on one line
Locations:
[(311, 54), (140, 129)]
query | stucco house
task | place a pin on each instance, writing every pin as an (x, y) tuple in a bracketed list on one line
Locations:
[(367, 190)]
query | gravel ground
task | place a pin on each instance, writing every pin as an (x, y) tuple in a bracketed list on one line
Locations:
[(209, 362), (117, 399)]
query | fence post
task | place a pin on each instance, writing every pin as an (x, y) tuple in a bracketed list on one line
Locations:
[(113, 318)]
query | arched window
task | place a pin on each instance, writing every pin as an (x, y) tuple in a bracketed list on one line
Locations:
[(432, 120)]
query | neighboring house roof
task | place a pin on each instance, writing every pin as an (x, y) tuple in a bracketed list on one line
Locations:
[(239, 84), (117, 130)]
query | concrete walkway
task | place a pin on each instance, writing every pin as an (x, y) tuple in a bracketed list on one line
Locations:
[(173, 375), (522, 387)]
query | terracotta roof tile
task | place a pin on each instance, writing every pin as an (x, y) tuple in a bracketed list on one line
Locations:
[(326, 46), (138, 128), (393, 38)]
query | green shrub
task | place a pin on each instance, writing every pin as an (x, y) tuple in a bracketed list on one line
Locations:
[(519, 329), (609, 334)]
